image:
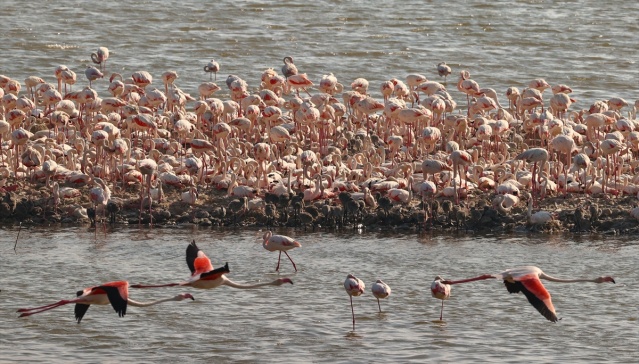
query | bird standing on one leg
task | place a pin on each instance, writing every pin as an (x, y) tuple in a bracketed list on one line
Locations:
[(354, 287)]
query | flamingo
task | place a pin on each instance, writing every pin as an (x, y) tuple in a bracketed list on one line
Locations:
[(289, 69), (534, 155), (100, 57), (354, 287), (212, 67), (380, 290), (279, 242), (443, 70), (440, 291), (92, 74), (527, 280), (114, 293), (203, 276)]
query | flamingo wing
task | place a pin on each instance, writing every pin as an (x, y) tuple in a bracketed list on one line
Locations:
[(215, 273), (191, 255), (197, 261), (80, 308), (116, 298), (536, 294)]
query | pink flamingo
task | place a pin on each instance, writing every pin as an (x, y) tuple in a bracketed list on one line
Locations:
[(380, 290), (282, 243), (203, 276), (536, 156), (100, 57), (354, 287), (212, 67), (440, 291), (527, 280), (114, 293)]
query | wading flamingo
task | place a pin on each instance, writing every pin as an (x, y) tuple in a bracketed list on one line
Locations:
[(114, 293), (380, 290), (203, 276), (440, 291), (527, 280), (281, 243), (354, 287)]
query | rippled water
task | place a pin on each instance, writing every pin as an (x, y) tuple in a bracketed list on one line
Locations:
[(310, 321), (590, 46)]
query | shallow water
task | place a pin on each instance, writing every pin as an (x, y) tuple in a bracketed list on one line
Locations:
[(310, 321), (590, 46)]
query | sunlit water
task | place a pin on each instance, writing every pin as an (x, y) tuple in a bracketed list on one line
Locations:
[(590, 46)]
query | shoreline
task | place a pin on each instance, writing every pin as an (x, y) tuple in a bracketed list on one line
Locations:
[(573, 214)]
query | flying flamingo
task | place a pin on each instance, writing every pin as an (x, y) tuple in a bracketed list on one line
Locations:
[(380, 290), (281, 243), (354, 287), (440, 291), (527, 280), (115, 293), (203, 276)]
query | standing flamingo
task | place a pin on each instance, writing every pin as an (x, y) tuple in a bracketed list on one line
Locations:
[(115, 293), (527, 280), (212, 67), (443, 70), (354, 287), (535, 155), (380, 290), (289, 69), (92, 74), (203, 276), (281, 243), (440, 291), (100, 57)]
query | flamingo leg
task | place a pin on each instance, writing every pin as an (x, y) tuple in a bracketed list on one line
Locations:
[(289, 258), (278, 262), (33, 311), (379, 306), (352, 312), (441, 312)]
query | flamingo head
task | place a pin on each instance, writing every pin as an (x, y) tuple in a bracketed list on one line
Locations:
[(184, 296), (281, 281), (605, 279)]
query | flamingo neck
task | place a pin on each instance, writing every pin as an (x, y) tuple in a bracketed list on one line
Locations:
[(482, 277), (230, 283), (154, 286)]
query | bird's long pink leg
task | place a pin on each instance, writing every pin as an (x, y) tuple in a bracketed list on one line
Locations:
[(353, 312), (33, 311), (289, 258), (380, 306), (441, 312), (278, 261)]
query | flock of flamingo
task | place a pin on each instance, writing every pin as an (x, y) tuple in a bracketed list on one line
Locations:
[(203, 276), (278, 149), (323, 157)]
